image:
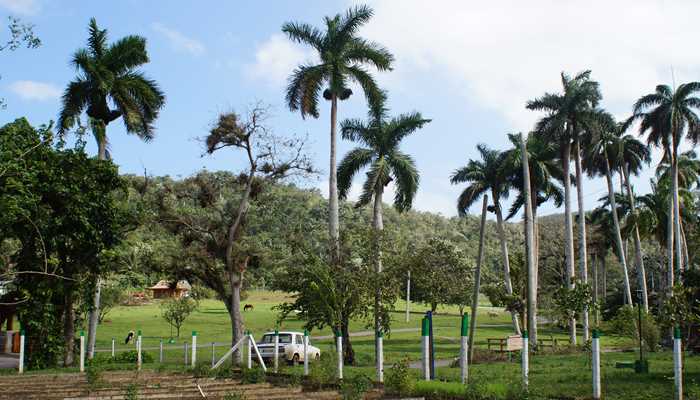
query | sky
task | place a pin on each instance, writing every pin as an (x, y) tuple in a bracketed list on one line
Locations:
[(469, 66)]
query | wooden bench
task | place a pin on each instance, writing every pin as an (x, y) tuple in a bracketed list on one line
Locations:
[(506, 345)]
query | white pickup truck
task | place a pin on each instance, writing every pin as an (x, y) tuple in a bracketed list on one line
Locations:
[(291, 347)]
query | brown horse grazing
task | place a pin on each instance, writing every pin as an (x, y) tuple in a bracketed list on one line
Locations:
[(248, 307)]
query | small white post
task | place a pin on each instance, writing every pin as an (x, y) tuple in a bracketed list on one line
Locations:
[(213, 354), (339, 348), (186, 351), (82, 351), (464, 349), (408, 297), (380, 357), (276, 353), (250, 351), (160, 354), (139, 360), (425, 347), (113, 347), (194, 348), (21, 351), (306, 352), (525, 353), (595, 348), (677, 364)]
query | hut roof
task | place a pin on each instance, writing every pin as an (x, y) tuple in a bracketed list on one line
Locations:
[(183, 284), (162, 284)]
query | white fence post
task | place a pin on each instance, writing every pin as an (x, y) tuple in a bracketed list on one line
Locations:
[(380, 357), (306, 352), (194, 348), (339, 348), (160, 351), (21, 351), (677, 363), (113, 348), (525, 355), (250, 350), (408, 297), (82, 351), (186, 355), (425, 348), (213, 353), (276, 352), (464, 349), (139, 360), (595, 348)]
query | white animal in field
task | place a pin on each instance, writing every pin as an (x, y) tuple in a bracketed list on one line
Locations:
[(492, 314)]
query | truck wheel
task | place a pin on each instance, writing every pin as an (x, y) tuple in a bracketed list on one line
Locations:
[(317, 357), (295, 360)]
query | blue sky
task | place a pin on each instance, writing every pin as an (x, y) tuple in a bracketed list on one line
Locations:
[(467, 65)]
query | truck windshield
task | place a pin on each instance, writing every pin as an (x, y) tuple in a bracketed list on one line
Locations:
[(284, 338)]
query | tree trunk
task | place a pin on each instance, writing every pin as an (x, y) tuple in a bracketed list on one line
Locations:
[(333, 187), (594, 258), (669, 247), (68, 325), (378, 225), (477, 278), (676, 210), (348, 352), (604, 282), (618, 235), (638, 256), (568, 231), (686, 256), (94, 313), (582, 250), (506, 262), (530, 247)]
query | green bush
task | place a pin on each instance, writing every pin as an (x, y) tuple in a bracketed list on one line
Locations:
[(354, 388), (398, 380), (625, 323), (201, 370), (223, 372), (132, 392), (93, 374), (324, 372), (131, 356), (253, 375)]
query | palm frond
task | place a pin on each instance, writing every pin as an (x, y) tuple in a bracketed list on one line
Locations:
[(304, 33), (404, 169), (73, 102), (125, 54), (361, 51), (304, 88), (349, 166)]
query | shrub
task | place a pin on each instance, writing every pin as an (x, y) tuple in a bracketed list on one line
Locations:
[(354, 388), (223, 372), (132, 392), (398, 380), (201, 370), (625, 323), (131, 356), (253, 375), (93, 374), (325, 371)]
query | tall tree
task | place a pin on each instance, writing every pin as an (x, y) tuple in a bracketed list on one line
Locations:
[(343, 58), (567, 115), (108, 76), (381, 138), (632, 155), (666, 117), (602, 159), (484, 176)]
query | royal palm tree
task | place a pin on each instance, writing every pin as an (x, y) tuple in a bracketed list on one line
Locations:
[(601, 158), (380, 138), (655, 220), (483, 176), (667, 116), (343, 59), (109, 86), (568, 114), (632, 155)]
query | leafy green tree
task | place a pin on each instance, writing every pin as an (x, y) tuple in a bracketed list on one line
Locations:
[(176, 311), (108, 74), (666, 117), (483, 176), (568, 115), (381, 138), (343, 59)]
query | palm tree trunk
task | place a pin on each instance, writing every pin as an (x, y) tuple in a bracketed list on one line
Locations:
[(604, 280), (686, 256), (477, 278), (568, 231), (638, 257), (618, 235), (94, 313), (594, 258), (669, 247), (378, 225), (333, 187), (530, 249), (582, 250), (506, 262), (676, 210)]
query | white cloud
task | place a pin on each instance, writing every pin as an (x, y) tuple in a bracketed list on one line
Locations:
[(32, 90), (500, 54), (275, 59), (179, 41), (24, 7)]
